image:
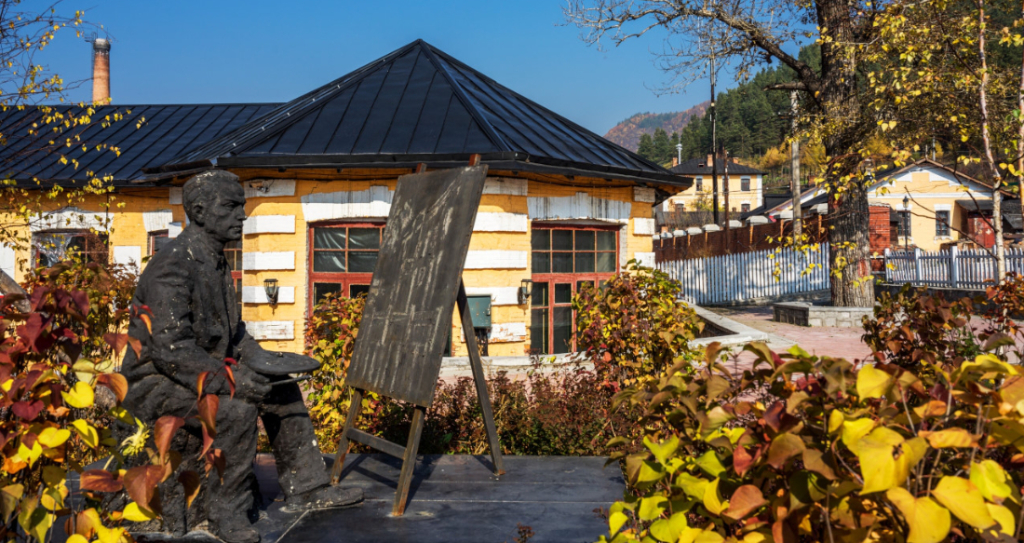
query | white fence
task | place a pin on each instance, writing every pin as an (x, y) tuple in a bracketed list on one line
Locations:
[(971, 269), (748, 276)]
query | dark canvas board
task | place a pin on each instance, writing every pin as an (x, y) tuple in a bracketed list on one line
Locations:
[(408, 313)]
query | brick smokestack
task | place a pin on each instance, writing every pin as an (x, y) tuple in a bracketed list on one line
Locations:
[(101, 71)]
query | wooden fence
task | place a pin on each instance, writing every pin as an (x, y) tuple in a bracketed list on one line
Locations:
[(752, 275), (744, 239), (955, 268)]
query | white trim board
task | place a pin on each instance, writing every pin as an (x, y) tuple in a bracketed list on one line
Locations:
[(499, 295), (271, 330), (496, 260), (580, 206), (501, 222), (157, 220), (282, 260), (269, 188), (374, 202), (269, 224), (258, 295)]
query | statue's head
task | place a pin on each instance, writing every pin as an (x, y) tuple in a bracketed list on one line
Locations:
[(215, 202)]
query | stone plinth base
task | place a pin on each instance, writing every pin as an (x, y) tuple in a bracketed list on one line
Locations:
[(803, 314)]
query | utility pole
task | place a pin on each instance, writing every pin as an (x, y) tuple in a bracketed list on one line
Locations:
[(794, 183), (725, 184), (714, 144)]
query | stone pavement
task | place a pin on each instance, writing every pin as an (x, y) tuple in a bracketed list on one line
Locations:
[(821, 341)]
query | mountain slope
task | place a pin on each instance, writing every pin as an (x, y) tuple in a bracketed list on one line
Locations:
[(627, 133)]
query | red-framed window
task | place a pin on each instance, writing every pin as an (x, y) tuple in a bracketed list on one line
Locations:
[(565, 258), (342, 257), (233, 254)]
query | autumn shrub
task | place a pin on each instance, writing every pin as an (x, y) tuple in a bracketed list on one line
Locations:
[(562, 412), (47, 409), (914, 327), (880, 453), (634, 325)]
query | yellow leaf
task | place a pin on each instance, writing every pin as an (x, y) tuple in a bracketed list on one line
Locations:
[(134, 513), (80, 396), (835, 421), (886, 458), (855, 430), (950, 438), (53, 437), (929, 522), (965, 501), (1005, 518), (991, 480), (652, 507), (77, 538), (89, 434), (616, 518), (872, 383), (712, 501), (29, 455)]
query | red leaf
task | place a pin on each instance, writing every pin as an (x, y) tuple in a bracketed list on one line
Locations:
[(116, 341), (28, 410), (231, 378), (208, 406), (201, 382), (82, 300), (116, 383), (100, 480), (141, 484), (164, 430), (136, 345), (215, 458), (191, 482), (741, 460)]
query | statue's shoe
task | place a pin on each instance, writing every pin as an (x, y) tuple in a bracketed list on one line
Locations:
[(325, 497)]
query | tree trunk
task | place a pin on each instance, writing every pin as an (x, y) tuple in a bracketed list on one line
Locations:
[(850, 249)]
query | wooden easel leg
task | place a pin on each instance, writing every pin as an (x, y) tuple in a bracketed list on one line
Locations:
[(353, 413), (409, 461), (478, 377)]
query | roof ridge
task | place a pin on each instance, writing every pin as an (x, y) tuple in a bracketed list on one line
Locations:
[(460, 93), (272, 121), (572, 124)]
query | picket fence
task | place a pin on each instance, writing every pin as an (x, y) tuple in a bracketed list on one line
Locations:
[(748, 276), (968, 269)]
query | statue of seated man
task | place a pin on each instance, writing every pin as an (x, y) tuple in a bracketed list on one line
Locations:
[(195, 323)]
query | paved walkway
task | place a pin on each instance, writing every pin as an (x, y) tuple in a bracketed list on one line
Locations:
[(821, 341)]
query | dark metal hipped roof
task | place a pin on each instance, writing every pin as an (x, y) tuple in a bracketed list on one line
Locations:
[(699, 166), (146, 136), (418, 104)]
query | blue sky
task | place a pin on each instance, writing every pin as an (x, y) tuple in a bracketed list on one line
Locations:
[(190, 51)]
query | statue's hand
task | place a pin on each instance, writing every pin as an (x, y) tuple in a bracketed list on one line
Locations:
[(249, 385)]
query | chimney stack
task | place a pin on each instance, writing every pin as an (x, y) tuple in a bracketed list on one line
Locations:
[(711, 159), (675, 161), (101, 71)]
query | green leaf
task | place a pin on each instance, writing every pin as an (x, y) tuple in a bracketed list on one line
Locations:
[(652, 507), (713, 500), (662, 451), (669, 529), (649, 472), (710, 464), (965, 501), (616, 518)]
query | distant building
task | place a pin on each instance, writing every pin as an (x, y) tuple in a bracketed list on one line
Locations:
[(745, 187), (942, 206)]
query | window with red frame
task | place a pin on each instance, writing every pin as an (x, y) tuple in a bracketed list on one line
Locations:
[(564, 259), (233, 254), (342, 258), (51, 247)]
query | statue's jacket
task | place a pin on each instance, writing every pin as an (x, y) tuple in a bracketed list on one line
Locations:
[(188, 293)]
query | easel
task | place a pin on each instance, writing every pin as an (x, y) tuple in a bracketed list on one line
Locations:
[(408, 453)]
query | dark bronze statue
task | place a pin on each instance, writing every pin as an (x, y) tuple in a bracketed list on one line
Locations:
[(189, 291)]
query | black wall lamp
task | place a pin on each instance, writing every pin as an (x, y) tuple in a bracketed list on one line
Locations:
[(272, 290), (524, 290)]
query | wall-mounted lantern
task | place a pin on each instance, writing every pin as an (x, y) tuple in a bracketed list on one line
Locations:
[(271, 288), (524, 291)]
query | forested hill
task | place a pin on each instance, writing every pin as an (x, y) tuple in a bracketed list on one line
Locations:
[(627, 133)]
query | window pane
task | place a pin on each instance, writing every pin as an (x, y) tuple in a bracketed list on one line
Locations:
[(562, 340), (584, 262), (356, 290), (322, 289), (584, 240), (563, 293), (539, 295), (606, 262), (362, 261), (364, 238), (541, 262), (606, 241), (329, 261), (159, 242), (540, 240), (561, 240), (580, 285), (329, 238), (539, 331), (561, 262)]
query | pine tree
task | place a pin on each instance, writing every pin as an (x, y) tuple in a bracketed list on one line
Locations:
[(663, 148), (646, 147)]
